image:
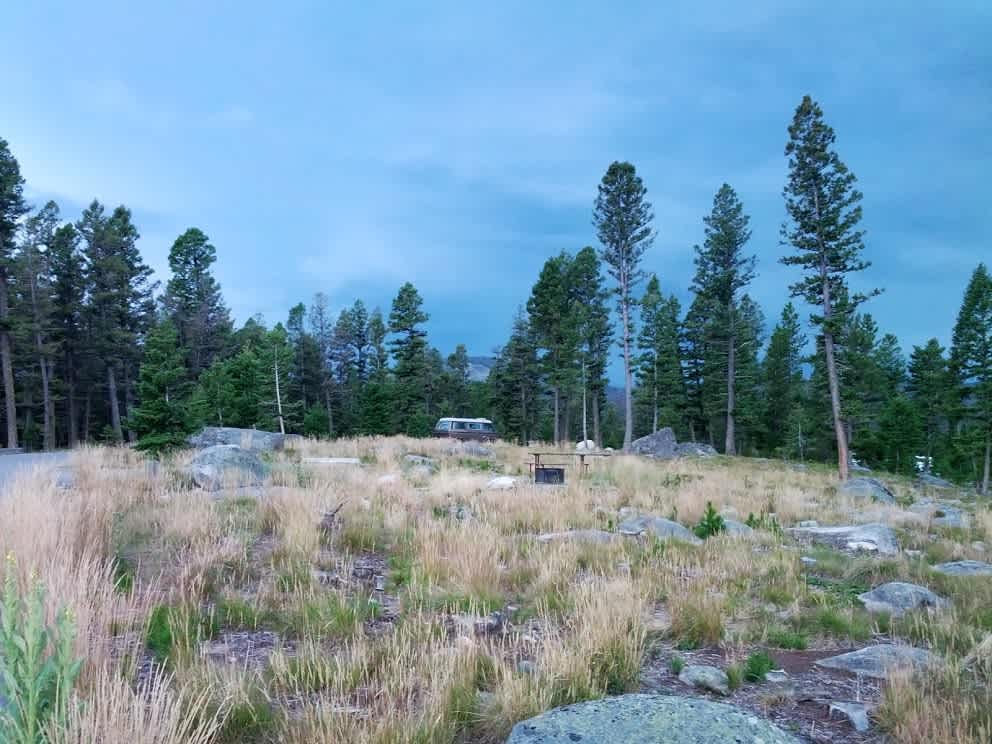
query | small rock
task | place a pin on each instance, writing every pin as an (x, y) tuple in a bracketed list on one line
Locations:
[(411, 460), (695, 449), (940, 513), (871, 488), (807, 560), (777, 676), (380, 583), (878, 661), (706, 677), (898, 597), (502, 483), (807, 523), (964, 568), (461, 512), (856, 713)]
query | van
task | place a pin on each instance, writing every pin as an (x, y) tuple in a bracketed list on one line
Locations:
[(477, 429)]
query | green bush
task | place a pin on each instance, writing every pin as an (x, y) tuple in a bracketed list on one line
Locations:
[(38, 668), (677, 664), (710, 524), (757, 666)]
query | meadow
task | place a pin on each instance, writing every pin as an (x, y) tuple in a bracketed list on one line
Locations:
[(387, 603)]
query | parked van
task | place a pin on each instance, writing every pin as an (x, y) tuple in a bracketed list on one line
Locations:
[(478, 429)]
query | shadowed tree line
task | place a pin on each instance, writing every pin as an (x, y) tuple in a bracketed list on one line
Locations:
[(91, 349)]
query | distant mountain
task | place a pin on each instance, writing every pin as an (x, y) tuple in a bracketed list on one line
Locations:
[(479, 368)]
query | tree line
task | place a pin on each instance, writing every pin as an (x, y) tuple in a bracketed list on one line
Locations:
[(92, 349)]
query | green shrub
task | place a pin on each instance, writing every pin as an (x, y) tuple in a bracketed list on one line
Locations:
[(757, 666), (710, 524), (677, 664), (38, 668), (785, 638)]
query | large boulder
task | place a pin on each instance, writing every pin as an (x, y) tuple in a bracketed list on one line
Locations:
[(941, 513), (871, 538), (695, 449), (598, 537), (661, 444), (248, 439), (586, 445), (226, 465), (636, 525), (929, 480), (502, 483), (964, 568), (899, 597), (878, 661), (648, 719), (867, 488)]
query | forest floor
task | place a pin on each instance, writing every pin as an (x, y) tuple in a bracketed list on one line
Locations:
[(434, 608)]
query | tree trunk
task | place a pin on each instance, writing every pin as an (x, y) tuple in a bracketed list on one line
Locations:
[(282, 426), (597, 434), (988, 463), (330, 416), (8, 365), (132, 435), (557, 417), (115, 411), (523, 413), (73, 412), (729, 445), (628, 380), (654, 405), (842, 453), (585, 407), (87, 412), (46, 400)]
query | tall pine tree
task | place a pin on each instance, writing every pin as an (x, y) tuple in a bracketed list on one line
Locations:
[(12, 208), (824, 212)]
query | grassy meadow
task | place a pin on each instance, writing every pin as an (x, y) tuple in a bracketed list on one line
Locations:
[(423, 608)]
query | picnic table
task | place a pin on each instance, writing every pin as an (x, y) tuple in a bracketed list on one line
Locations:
[(543, 465)]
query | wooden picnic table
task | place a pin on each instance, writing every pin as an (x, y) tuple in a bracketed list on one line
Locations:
[(583, 465)]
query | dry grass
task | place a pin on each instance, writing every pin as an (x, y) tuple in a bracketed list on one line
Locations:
[(405, 665)]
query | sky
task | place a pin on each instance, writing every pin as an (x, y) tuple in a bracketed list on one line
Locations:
[(350, 147)]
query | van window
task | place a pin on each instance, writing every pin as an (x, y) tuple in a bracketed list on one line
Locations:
[(488, 427), (459, 425), (443, 425)]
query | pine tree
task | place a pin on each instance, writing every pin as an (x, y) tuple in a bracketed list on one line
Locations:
[(824, 208), (660, 387), (622, 217), (722, 271), (901, 435), (34, 295), (378, 355), (68, 287), (553, 321), (783, 382), (193, 301), (322, 331), (306, 370), (750, 403), (929, 389), (513, 382), (121, 305), (278, 411), (971, 365), (591, 324), (409, 347), (12, 208), (160, 417), (457, 394)]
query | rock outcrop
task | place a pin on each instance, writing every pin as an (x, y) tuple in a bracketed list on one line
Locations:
[(899, 597), (636, 525), (662, 445), (867, 488), (224, 465), (648, 719), (871, 538), (878, 661), (964, 568), (248, 439)]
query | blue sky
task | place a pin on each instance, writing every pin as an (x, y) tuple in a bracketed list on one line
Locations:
[(349, 147)]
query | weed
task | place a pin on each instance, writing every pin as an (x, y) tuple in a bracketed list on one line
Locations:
[(757, 666), (676, 664), (710, 524), (785, 638), (735, 676)]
